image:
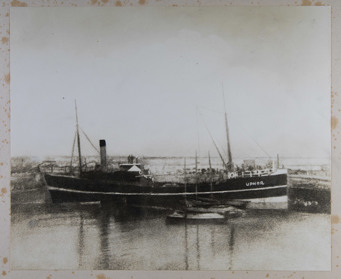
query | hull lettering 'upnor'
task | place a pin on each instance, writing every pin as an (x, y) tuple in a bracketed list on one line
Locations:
[(255, 183)]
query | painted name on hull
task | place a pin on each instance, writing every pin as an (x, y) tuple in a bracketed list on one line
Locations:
[(254, 183)]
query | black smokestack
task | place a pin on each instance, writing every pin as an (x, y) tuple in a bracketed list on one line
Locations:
[(103, 152)]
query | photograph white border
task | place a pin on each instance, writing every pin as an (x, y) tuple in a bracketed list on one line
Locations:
[(6, 272)]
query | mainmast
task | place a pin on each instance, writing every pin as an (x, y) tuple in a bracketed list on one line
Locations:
[(209, 163), (78, 141), (185, 180), (196, 175), (229, 153)]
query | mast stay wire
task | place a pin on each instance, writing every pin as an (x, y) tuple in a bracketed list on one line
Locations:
[(221, 157), (86, 136), (73, 148), (215, 111), (239, 127), (200, 108)]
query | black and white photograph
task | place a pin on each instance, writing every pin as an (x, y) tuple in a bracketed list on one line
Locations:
[(171, 138)]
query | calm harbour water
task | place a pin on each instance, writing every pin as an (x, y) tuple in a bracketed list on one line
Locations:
[(70, 236)]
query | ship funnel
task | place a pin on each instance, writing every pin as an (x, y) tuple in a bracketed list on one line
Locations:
[(103, 153)]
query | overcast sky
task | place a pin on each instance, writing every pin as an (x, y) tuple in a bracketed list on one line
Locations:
[(140, 76)]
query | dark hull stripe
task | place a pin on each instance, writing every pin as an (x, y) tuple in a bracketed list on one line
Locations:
[(50, 188), (162, 200), (97, 185), (66, 189)]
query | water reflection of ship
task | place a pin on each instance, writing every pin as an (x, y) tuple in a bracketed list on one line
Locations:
[(201, 244), (231, 246), (80, 247), (104, 231), (195, 241), (103, 222)]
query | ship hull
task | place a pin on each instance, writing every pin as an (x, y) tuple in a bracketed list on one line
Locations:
[(75, 189)]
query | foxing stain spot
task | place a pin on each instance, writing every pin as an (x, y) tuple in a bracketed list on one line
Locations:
[(334, 122), (4, 260), (4, 40), (3, 191), (118, 3), (93, 2), (267, 275), (4, 273), (335, 219), (142, 2), (306, 3), (17, 3), (102, 276), (7, 78), (104, 1), (319, 4)]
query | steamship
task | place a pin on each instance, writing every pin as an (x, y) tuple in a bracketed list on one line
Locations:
[(132, 184)]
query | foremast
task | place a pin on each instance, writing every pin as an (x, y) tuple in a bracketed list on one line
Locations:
[(78, 141)]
